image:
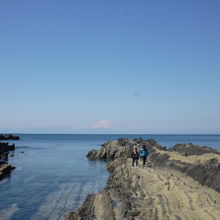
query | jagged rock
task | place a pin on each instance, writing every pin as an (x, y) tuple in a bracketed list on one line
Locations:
[(151, 144), (113, 197), (4, 156), (112, 150), (122, 147), (125, 189), (123, 141), (5, 169), (4, 147), (190, 149), (9, 137)]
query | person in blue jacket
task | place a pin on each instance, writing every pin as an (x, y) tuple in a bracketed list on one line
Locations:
[(144, 154)]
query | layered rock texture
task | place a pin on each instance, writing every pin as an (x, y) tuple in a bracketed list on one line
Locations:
[(9, 137), (5, 168), (182, 182)]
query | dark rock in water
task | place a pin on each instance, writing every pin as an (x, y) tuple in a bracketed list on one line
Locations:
[(9, 137), (4, 156), (5, 147), (5, 168), (191, 149), (2, 162)]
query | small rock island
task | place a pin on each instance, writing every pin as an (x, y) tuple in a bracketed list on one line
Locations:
[(182, 182), (9, 137)]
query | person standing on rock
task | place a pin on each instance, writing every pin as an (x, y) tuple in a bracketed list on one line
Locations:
[(144, 154), (135, 157)]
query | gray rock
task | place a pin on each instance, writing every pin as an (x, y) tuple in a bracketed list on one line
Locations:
[(191, 149)]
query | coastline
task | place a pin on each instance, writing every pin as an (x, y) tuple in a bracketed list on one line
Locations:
[(5, 168), (182, 183), (5, 148)]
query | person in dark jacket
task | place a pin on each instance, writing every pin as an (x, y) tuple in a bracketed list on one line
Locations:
[(144, 154), (135, 157)]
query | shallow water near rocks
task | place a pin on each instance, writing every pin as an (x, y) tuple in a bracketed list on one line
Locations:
[(53, 176)]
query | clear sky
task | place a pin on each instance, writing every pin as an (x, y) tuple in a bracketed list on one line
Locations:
[(117, 66)]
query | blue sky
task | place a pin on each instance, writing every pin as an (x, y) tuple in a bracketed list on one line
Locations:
[(110, 66)]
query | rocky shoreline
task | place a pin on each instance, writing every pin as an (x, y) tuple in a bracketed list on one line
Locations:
[(5, 168), (182, 182)]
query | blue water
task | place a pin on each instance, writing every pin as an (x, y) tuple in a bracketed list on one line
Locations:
[(53, 176)]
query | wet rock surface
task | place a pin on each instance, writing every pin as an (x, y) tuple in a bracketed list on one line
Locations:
[(169, 188)]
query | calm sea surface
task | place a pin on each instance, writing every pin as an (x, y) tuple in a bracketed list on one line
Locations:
[(53, 176)]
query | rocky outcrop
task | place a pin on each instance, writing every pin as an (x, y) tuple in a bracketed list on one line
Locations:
[(9, 137), (191, 149), (4, 146), (115, 202), (157, 192), (5, 168), (122, 148), (4, 149), (207, 173)]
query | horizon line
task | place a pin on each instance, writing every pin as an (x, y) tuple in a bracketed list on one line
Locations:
[(112, 133)]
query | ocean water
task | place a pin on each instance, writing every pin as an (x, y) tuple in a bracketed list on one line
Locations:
[(53, 176)]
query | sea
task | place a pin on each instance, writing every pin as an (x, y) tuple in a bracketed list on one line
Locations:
[(53, 175)]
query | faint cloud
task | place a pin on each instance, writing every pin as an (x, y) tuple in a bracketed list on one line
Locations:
[(102, 124)]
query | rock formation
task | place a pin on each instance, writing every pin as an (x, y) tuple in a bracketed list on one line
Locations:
[(190, 149), (9, 137), (168, 189), (122, 147), (5, 168), (4, 149)]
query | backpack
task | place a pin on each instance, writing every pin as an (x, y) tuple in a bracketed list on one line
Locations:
[(144, 153)]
